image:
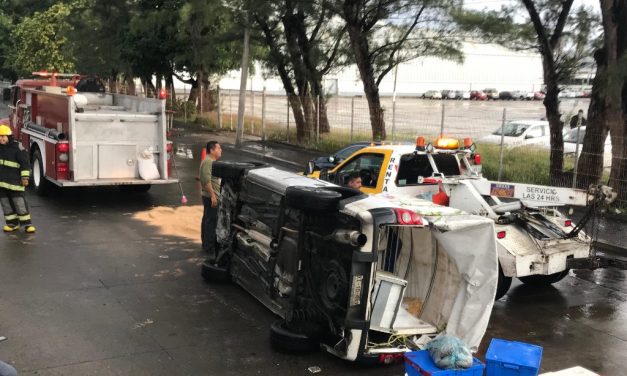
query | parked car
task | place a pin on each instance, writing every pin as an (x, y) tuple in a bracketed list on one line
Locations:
[(522, 95), (432, 94), (538, 95), (570, 145), (520, 132), (491, 93), (568, 94), (460, 94), (478, 95), (348, 272), (337, 157), (506, 95), (448, 94)]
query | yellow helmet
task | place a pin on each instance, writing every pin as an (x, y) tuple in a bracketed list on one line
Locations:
[(5, 130)]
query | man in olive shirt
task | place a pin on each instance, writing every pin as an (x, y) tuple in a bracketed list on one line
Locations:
[(210, 196)]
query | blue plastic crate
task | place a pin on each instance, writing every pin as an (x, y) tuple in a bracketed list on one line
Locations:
[(510, 358), (419, 363)]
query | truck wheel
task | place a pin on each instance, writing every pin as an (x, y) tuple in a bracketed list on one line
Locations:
[(312, 198), (284, 340), (233, 170), (212, 273), (544, 280), (503, 284), (39, 182)]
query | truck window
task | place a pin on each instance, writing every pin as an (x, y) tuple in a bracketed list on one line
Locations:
[(367, 166), (414, 166)]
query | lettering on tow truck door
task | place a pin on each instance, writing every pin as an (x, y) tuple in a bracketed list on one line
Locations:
[(388, 174)]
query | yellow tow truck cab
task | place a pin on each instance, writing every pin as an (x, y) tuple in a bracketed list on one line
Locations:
[(406, 169)]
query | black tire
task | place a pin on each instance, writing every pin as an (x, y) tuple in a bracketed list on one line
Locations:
[(312, 198), (232, 170), (282, 339), (212, 273), (544, 280), (503, 284), (138, 188), (40, 184)]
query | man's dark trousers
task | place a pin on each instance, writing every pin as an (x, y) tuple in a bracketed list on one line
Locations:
[(208, 227)]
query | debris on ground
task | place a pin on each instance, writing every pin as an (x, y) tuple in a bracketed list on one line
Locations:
[(314, 369), (182, 221)]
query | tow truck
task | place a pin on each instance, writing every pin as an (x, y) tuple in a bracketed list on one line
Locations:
[(536, 242), (76, 134)]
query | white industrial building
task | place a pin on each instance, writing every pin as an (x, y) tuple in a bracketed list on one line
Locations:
[(484, 66)]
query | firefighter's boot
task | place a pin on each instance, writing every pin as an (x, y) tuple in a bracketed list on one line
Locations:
[(30, 229), (10, 228)]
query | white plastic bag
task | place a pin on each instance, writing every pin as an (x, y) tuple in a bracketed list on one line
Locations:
[(147, 167)]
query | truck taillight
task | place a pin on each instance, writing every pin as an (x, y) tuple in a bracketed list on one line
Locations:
[(163, 94), (63, 147), (168, 147), (477, 159), (407, 217), (501, 234), (391, 358), (568, 223)]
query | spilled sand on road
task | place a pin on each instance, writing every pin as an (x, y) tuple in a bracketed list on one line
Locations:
[(181, 221)]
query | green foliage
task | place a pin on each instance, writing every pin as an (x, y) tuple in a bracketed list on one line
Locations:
[(521, 165), (40, 42)]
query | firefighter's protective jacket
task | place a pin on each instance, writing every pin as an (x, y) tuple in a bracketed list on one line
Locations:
[(14, 166)]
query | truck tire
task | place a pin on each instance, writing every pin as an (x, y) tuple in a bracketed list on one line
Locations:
[(40, 184), (312, 198), (282, 339), (233, 170), (503, 284), (212, 273), (544, 280)]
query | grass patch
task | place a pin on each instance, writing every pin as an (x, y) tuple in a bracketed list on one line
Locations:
[(521, 164)]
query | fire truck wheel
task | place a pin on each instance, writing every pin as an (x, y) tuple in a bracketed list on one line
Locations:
[(503, 284), (39, 182), (233, 170), (544, 280), (282, 339)]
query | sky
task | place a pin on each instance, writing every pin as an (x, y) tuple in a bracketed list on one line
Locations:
[(496, 4)]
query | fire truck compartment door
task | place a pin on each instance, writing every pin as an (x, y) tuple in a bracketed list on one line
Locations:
[(117, 161)]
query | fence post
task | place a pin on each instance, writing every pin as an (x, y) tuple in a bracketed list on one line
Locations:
[(252, 120), (288, 119), (502, 142), (230, 113), (185, 102), (219, 109), (318, 118), (263, 114), (394, 117), (442, 119), (352, 116), (576, 155)]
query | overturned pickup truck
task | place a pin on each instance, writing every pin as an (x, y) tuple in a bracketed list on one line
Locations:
[(363, 277)]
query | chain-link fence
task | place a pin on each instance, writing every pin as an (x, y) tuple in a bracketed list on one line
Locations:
[(521, 154)]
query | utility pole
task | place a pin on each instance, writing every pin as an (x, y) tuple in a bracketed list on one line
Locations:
[(242, 90)]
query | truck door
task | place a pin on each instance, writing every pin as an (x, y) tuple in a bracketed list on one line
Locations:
[(369, 166)]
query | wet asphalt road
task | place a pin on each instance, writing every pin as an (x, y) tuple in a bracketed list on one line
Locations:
[(92, 294)]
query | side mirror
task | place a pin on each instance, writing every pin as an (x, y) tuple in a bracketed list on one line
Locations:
[(324, 174), (529, 136), (310, 168)]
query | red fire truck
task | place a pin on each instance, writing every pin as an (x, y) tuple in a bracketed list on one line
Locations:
[(77, 134)]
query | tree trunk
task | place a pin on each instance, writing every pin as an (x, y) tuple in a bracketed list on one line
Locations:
[(590, 165), (193, 91), (208, 102), (551, 105), (130, 84), (359, 45), (169, 84)]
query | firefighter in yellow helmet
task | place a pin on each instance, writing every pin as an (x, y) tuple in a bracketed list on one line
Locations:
[(14, 175)]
